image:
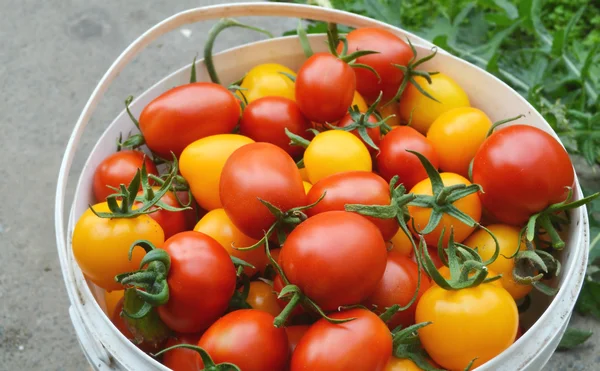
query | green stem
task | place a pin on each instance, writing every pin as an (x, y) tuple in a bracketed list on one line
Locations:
[(287, 311)]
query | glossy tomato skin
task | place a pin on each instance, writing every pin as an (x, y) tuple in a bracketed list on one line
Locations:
[(397, 286), (336, 347), (336, 258), (393, 159), (456, 136), (353, 187), (522, 170), (248, 339), (181, 359), (267, 80), (172, 222), (266, 119), (471, 205), (201, 282), (217, 225), (187, 113), (374, 133), (101, 245), (259, 170), (294, 334), (401, 364), (478, 322), (262, 297), (423, 111), (391, 50), (325, 88), (401, 243), (119, 168)]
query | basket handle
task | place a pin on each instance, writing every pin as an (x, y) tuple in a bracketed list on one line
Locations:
[(170, 24)]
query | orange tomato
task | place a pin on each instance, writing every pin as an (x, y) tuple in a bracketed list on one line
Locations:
[(262, 297)]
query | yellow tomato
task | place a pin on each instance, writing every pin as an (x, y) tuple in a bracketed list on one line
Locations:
[(508, 240), (359, 101), (391, 109), (401, 364), (266, 80), (478, 322), (456, 136), (401, 243), (425, 110), (217, 224), (101, 245), (201, 164), (262, 297), (304, 174), (471, 205), (333, 152), (111, 299), (307, 186)]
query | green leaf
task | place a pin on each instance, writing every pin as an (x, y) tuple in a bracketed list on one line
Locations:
[(573, 338), (509, 8), (588, 302)]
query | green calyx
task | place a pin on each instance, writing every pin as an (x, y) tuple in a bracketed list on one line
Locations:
[(209, 364), (410, 71), (212, 36), (151, 200), (150, 283), (532, 266), (361, 122), (149, 329), (407, 345), (549, 218), (333, 39)]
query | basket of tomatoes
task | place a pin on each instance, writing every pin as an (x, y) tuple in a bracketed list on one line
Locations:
[(344, 201)]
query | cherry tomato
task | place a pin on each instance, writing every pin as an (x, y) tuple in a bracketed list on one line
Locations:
[(187, 113), (119, 168), (266, 119), (111, 299), (522, 170), (401, 243), (262, 297), (248, 339), (304, 175), (172, 222), (294, 334), (267, 80), (393, 159), (181, 359), (456, 135), (374, 133), (259, 171), (397, 286), (333, 152), (363, 344), (353, 187), (101, 245), (359, 102), (425, 110), (508, 241), (478, 322), (401, 364), (391, 50), (202, 162), (307, 187), (325, 88), (201, 282), (217, 225), (471, 205), (343, 267), (387, 110)]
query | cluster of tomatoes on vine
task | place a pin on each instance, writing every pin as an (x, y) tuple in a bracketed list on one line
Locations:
[(297, 227)]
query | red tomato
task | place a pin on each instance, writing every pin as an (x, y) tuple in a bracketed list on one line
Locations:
[(187, 113), (259, 170), (172, 222), (119, 168), (294, 334), (397, 286), (266, 119), (325, 88), (336, 258), (201, 282), (248, 339), (121, 325), (181, 359), (353, 187), (394, 160), (522, 170), (391, 50), (363, 344), (374, 133)]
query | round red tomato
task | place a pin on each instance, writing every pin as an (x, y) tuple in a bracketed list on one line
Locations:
[(119, 168), (374, 133), (182, 359), (201, 282), (325, 88), (522, 170), (353, 187), (363, 344), (248, 339), (336, 258), (391, 50), (187, 113), (172, 222), (393, 159), (266, 119), (294, 334), (259, 171), (397, 286)]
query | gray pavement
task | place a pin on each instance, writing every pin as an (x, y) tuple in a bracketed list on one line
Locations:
[(52, 54)]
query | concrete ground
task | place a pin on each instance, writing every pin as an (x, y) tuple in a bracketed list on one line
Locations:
[(52, 54)]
